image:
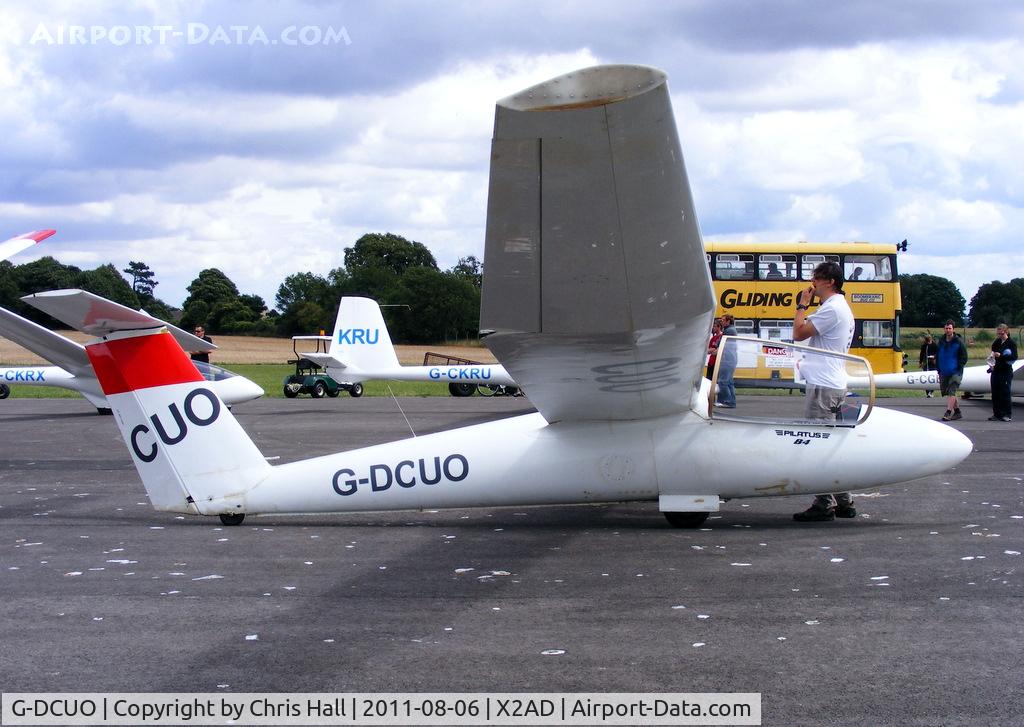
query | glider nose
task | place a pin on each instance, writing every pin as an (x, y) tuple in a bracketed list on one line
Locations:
[(944, 445), (252, 390), (236, 389)]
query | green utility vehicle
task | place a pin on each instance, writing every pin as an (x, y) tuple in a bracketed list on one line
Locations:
[(310, 377)]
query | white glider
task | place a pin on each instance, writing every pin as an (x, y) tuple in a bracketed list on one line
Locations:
[(73, 369), (975, 380), (361, 350), (600, 302)]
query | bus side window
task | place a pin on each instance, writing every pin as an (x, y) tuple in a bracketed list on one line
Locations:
[(734, 267), (809, 262), (745, 327), (867, 267), (777, 267), (877, 334)]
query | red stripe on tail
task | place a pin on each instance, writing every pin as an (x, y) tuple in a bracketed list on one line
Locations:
[(140, 362)]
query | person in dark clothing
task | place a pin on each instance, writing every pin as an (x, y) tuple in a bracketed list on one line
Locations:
[(716, 339), (950, 359), (929, 352), (203, 356), (1004, 353)]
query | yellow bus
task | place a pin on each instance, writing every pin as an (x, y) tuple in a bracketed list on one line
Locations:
[(758, 284)]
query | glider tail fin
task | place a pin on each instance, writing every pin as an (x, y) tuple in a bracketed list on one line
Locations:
[(361, 339), (190, 451)]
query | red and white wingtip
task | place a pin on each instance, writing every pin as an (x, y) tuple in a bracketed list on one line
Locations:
[(22, 242)]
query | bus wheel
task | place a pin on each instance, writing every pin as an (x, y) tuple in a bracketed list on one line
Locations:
[(686, 519)]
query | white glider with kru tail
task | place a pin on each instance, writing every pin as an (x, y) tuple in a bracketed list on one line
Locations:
[(361, 350), (598, 302)]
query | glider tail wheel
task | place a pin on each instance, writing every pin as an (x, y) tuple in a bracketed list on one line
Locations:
[(232, 518)]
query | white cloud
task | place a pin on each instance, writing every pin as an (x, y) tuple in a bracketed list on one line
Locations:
[(187, 158)]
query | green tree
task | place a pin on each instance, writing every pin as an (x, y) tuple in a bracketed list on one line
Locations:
[(388, 251), (471, 269), (231, 316), (107, 282), (442, 307), (300, 287), (143, 281), (930, 301), (39, 276), (210, 288), (998, 302), (9, 290), (304, 301), (254, 303)]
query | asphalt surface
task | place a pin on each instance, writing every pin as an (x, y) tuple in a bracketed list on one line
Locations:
[(909, 614)]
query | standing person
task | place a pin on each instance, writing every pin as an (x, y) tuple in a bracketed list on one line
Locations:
[(927, 358), (1004, 353), (831, 329), (716, 338), (727, 367), (203, 355), (950, 359)]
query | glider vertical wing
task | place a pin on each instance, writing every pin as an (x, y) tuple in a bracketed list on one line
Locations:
[(93, 314), (597, 298)]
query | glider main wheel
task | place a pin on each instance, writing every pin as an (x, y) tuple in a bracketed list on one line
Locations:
[(686, 519), (461, 389), (355, 391), (318, 390), (233, 518), (5, 391)]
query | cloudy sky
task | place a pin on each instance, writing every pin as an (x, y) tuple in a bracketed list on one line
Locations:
[(263, 138)]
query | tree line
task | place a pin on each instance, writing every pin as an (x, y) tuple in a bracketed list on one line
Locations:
[(929, 301), (421, 303)]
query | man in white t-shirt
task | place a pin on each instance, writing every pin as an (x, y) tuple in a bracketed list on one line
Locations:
[(829, 328)]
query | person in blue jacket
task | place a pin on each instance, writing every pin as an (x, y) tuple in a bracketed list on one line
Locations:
[(1004, 353), (950, 362)]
